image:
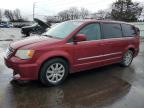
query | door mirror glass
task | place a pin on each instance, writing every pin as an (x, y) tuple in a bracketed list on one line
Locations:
[(80, 37)]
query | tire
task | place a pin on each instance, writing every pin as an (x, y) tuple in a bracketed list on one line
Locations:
[(19, 82), (27, 34), (54, 72), (127, 58)]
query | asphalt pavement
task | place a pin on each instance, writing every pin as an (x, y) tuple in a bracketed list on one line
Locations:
[(106, 87)]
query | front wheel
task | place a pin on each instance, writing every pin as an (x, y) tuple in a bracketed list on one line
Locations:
[(127, 58), (54, 72)]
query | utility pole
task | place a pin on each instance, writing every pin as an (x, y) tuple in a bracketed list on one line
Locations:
[(34, 10)]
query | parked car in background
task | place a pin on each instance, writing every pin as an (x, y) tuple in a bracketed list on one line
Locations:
[(38, 27), (72, 46), (6, 25)]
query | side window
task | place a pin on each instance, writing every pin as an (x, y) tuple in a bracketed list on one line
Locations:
[(110, 30), (128, 30), (92, 31)]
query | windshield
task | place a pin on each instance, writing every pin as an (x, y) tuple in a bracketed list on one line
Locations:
[(62, 30)]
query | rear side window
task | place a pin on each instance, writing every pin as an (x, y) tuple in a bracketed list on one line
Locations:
[(111, 30), (92, 31), (128, 30)]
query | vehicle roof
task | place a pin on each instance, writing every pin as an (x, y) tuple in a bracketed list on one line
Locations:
[(106, 21)]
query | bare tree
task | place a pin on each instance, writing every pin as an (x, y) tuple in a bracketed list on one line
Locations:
[(1, 15), (17, 14), (100, 14), (73, 13), (84, 13), (52, 19), (9, 15), (64, 15), (14, 15), (142, 14)]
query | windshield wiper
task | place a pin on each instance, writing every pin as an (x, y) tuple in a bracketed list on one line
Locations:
[(47, 35), (51, 36)]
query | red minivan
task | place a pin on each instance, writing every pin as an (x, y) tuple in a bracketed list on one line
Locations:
[(70, 47)]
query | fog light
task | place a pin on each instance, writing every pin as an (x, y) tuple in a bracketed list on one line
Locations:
[(17, 76)]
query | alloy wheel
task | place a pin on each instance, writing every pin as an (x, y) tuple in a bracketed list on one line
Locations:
[(55, 72)]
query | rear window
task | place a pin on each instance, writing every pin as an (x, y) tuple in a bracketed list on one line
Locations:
[(111, 30), (128, 30)]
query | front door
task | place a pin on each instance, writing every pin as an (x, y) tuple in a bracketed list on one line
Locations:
[(87, 53)]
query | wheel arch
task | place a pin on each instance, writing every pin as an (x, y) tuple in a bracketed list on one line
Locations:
[(53, 57), (133, 50)]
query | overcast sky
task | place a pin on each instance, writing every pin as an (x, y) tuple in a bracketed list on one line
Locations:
[(51, 7)]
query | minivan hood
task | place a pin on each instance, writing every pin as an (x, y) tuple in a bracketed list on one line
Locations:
[(33, 40)]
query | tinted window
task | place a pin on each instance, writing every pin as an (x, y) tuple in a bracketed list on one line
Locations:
[(128, 30), (111, 30), (92, 31)]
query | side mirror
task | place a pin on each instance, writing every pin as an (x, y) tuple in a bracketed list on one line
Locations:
[(80, 37)]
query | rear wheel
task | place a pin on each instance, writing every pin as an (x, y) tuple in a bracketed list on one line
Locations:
[(127, 58), (54, 72)]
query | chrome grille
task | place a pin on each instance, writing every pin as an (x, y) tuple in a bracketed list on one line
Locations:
[(9, 52)]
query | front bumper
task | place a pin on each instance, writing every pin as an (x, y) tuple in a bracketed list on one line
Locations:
[(22, 32), (26, 70)]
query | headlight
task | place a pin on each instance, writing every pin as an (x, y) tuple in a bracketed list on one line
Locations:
[(24, 54)]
